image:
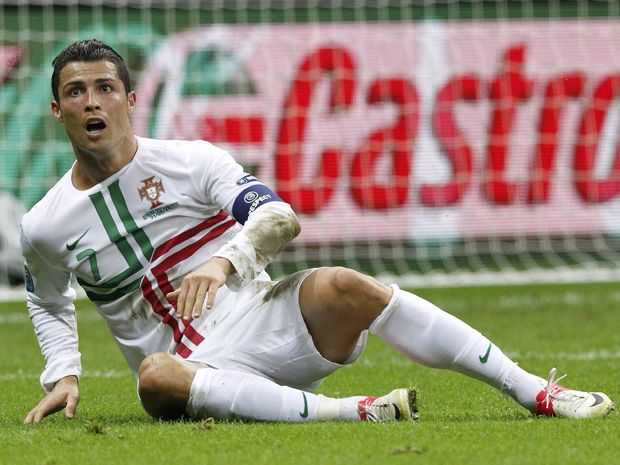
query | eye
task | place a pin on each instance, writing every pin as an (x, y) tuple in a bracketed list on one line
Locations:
[(105, 88), (74, 92)]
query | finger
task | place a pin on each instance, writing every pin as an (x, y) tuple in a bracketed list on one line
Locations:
[(190, 299), (34, 416), (172, 295), (181, 295), (38, 417), (71, 407), (213, 288), (46, 408), (201, 294), (29, 417)]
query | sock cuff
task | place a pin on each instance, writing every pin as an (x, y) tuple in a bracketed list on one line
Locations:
[(378, 322), (199, 390), (328, 408), (473, 341)]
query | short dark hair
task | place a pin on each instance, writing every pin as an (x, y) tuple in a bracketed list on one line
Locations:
[(88, 50)]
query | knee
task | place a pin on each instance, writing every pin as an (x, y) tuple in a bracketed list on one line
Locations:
[(359, 290), (163, 386), (151, 372)]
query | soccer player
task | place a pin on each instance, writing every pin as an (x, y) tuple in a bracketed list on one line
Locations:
[(170, 239)]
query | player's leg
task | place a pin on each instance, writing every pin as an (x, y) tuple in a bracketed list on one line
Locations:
[(170, 388), (337, 303), (164, 384)]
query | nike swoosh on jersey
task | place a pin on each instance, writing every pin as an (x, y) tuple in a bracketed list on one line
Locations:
[(74, 244)]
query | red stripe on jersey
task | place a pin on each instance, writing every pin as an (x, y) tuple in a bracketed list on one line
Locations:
[(183, 350), (185, 235), (159, 272), (193, 335), (151, 297)]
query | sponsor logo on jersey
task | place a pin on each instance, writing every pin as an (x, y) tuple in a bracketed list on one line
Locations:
[(151, 191), (149, 215), (246, 179)]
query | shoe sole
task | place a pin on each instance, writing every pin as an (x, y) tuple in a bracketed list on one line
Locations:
[(407, 404), (610, 409)]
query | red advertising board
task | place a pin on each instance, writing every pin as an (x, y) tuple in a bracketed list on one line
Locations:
[(402, 130)]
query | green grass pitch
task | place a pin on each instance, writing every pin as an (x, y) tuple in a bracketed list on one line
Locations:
[(573, 327)]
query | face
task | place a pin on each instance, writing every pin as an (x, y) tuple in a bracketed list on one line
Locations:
[(94, 107)]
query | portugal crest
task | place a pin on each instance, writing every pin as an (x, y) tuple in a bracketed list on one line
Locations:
[(151, 191)]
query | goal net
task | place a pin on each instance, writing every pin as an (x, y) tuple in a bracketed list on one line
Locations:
[(437, 142)]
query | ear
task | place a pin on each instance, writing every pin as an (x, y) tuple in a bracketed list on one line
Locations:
[(131, 101), (56, 111)]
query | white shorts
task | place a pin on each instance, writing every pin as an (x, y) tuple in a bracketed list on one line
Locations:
[(265, 334)]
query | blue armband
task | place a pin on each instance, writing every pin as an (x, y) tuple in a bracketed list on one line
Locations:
[(250, 199)]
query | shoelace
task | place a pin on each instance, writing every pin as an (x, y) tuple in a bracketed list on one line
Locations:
[(555, 391), (376, 412)]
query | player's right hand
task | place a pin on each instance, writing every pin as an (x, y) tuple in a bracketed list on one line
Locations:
[(200, 285), (64, 395)]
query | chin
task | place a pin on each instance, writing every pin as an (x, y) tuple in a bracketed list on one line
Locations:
[(92, 147)]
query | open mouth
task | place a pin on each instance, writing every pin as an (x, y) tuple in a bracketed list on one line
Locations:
[(95, 126)]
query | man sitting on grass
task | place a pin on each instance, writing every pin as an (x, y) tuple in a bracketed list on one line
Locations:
[(170, 240)]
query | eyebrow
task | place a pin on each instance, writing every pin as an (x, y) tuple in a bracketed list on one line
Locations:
[(97, 81)]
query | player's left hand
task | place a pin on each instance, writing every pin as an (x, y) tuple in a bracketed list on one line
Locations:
[(64, 395), (199, 285)]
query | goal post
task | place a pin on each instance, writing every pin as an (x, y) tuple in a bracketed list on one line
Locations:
[(426, 142)]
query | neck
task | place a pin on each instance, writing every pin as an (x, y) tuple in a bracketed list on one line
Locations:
[(94, 167)]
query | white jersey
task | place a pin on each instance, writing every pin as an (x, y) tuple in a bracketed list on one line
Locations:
[(128, 241)]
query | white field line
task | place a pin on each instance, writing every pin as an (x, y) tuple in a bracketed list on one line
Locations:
[(524, 301), (22, 375), (529, 301), (557, 275), (13, 318), (591, 355), (18, 294)]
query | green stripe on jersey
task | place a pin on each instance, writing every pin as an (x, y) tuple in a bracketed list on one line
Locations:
[(117, 294), (130, 225), (121, 243)]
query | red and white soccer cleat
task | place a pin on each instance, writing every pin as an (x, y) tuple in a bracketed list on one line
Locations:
[(398, 405), (557, 401)]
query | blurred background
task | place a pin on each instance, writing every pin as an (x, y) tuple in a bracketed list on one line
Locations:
[(427, 142)]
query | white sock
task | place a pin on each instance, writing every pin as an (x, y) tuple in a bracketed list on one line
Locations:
[(228, 394), (425, 333), (345, 409)]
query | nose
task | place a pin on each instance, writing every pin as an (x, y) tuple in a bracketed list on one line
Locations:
[(92, 103)]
